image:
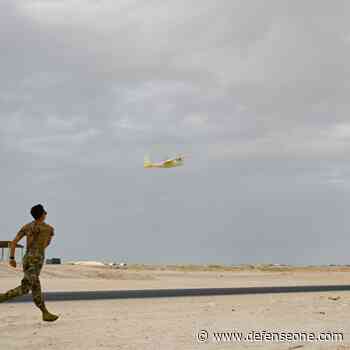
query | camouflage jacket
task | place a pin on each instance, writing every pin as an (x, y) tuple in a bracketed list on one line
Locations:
[(38, 236)]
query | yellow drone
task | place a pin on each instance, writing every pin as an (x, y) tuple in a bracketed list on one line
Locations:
[(169, 163)]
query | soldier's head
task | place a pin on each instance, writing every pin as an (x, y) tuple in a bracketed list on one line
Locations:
[(38, 213)]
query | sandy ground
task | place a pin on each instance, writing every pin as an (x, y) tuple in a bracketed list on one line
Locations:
[(174, 323)]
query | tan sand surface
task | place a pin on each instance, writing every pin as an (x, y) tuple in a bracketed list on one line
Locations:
[(173, 323)]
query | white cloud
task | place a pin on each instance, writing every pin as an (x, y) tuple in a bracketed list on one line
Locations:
[(182, 71), (57, 144), (341, 131), (196, 121), (312, 143), (58, 124)]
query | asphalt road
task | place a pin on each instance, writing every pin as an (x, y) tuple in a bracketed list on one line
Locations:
[(169, 293)]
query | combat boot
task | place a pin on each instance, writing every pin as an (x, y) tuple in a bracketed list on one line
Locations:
[(3, 297), (49, 317)]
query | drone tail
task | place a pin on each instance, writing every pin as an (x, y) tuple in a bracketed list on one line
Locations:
[(147, 162)]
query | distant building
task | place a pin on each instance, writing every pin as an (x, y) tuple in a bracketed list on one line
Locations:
[(53, 261)]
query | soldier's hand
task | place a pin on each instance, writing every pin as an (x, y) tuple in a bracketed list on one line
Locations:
[(13, 263)]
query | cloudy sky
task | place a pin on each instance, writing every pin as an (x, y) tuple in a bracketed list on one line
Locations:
[(254, 93)]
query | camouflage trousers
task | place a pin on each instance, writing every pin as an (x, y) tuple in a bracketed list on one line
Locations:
[(32, 266)]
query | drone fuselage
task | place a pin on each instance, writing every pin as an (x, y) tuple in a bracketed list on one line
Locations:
[(171, 163)]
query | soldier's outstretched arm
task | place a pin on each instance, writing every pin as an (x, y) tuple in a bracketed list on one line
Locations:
[(20, 234)]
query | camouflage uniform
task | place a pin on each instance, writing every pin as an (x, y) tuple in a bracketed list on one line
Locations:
[(33, 260)]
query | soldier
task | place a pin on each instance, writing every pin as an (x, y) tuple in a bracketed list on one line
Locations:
[(39, 235)]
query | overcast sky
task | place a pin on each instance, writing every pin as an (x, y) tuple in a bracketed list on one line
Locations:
[(254, 93)]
